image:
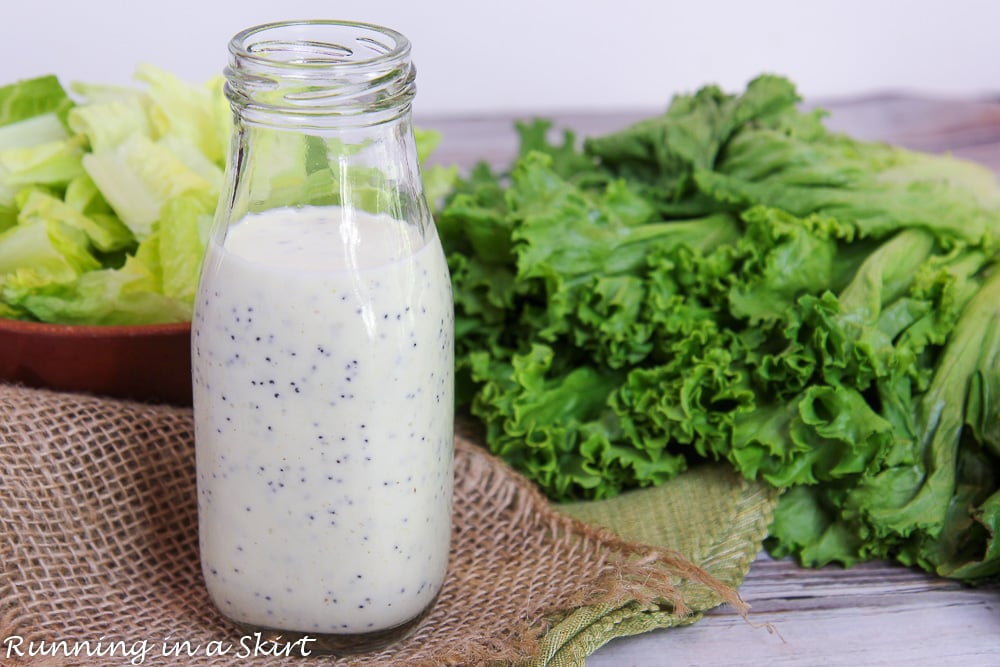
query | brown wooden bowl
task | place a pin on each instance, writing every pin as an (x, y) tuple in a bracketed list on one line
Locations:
[(150, 363)]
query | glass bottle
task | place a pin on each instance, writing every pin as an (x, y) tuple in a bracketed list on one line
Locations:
[(322, 348)]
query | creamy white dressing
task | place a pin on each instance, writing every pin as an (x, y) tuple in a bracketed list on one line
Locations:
[(322, 354)]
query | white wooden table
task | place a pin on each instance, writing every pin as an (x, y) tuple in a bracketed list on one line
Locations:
[(872, 614), (868, 615)]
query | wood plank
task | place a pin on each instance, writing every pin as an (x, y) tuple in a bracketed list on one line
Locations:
[(871, 614)]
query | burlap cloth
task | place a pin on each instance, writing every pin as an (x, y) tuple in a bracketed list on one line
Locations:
[(98, 543)]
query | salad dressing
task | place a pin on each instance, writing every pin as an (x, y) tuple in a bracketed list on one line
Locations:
[(322, 354)]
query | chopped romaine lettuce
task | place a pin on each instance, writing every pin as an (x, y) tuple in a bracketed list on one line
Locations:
[(139, 176), (104, 200), (41, 252)]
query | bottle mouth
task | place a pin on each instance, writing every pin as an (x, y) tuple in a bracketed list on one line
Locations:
[(320, 68)]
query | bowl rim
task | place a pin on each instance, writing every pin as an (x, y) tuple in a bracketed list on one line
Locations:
[(27, 327)]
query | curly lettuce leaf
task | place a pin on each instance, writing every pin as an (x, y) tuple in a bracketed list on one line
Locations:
[(556, 428), (663, 153), (806, 524), (825, 326)]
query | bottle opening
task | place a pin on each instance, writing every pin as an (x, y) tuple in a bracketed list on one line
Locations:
[(320, 69)]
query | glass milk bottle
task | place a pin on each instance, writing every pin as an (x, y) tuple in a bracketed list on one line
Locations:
[(322, 348)]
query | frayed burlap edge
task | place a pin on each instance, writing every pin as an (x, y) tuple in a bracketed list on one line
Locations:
[(728, 558)]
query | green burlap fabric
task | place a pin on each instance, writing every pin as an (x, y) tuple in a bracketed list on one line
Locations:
[(98, 543), (712, 516)]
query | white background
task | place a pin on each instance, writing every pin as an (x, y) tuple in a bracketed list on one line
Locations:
[(478, 57)]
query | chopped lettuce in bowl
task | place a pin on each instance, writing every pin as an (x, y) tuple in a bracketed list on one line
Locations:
[(106, 197)]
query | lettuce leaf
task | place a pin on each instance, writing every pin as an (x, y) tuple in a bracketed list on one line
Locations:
[(47, 250), (105, 233), (52, 163), (104, 200), (125, 296), (32, 132), (729, 281), (107, 124), (138, 177), (181, 236), (199, 114), (33, 99)]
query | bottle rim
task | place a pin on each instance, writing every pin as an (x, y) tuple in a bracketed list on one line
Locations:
[(325, 55), (285, 71)]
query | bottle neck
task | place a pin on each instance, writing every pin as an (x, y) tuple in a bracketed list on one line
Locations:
[(322, 118), (320, 75)]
